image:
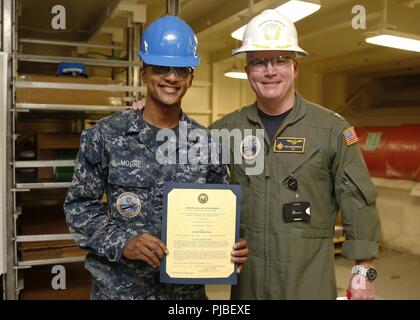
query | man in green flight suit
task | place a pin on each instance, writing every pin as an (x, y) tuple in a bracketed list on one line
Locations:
[(312, 168)]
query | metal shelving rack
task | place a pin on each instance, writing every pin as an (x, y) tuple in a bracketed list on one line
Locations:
[(8, 47), (3, 160), (13, 283)]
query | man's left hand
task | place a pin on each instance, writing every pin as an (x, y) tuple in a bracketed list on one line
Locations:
[(240, 254)]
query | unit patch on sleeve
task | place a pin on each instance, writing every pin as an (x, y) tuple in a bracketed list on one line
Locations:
[(128, 205), (295, 145), (350, 136)]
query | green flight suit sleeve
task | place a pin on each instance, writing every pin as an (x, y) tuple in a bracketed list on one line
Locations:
[(356, 195)]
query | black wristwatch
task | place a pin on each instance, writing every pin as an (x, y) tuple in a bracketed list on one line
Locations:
[(369, 273)]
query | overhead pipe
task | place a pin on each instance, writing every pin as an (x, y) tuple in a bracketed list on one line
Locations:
[(172, 7)]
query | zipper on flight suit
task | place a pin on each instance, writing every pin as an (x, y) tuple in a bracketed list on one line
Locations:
[(266, 213), (291, 175), (266, 209), (267, 225), (346, 182), (354, 190)]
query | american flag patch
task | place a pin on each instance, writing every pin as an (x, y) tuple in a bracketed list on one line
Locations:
[(350, 136)]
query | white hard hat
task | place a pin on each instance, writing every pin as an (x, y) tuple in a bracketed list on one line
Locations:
[(270, 31)]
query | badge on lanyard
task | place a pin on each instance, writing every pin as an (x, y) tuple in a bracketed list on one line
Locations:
[(293, 145), (128, 205), (296, 211), (250, 147)]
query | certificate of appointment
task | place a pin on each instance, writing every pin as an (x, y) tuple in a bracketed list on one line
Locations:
[(200, 226)]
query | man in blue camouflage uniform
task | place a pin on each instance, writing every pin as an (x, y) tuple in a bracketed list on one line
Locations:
[(119, 156)]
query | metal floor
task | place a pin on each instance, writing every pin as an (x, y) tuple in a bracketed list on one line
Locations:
[(398, 275)]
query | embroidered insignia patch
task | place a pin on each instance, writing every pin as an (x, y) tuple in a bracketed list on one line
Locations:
[(350, 136), (294, 145), (250, 147), (128, 205)]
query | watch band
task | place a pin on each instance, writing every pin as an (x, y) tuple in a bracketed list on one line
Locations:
[(359, 269), (369, 273)]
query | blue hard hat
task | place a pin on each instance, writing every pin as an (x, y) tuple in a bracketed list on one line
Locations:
[(71, 68), (170, 42)]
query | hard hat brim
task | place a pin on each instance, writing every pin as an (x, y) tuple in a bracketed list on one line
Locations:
[(169, 61), (246, 49)]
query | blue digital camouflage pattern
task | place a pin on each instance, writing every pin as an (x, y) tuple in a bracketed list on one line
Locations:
[(116, 156)]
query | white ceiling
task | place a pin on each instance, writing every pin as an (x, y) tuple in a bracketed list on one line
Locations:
[(327, 35)]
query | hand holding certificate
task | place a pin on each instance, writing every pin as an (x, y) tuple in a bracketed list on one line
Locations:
[(200, 226)]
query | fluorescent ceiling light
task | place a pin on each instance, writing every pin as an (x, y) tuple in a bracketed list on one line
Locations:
[(294, 10), (394, 39), (236, 74), (236, 71)]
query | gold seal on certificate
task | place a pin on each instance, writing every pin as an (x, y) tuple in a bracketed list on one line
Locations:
[(200, 226)]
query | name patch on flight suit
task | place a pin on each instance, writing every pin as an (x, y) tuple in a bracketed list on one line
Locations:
[(295, 145), (128, 205)]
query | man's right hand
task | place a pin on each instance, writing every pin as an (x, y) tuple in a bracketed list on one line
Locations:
[(147, 248)]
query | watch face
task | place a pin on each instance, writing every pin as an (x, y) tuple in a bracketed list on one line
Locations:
[(371, 274)]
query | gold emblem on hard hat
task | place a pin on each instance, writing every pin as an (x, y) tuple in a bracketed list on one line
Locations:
[(272, 31)]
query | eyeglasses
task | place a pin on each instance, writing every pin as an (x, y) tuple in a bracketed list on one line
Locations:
[(261, 64), (180, 72)]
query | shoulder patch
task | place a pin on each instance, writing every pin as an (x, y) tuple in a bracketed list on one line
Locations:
[(350, 136)]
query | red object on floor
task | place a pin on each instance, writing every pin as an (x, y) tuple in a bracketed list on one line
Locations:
[(348, 294), (391, 152)]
